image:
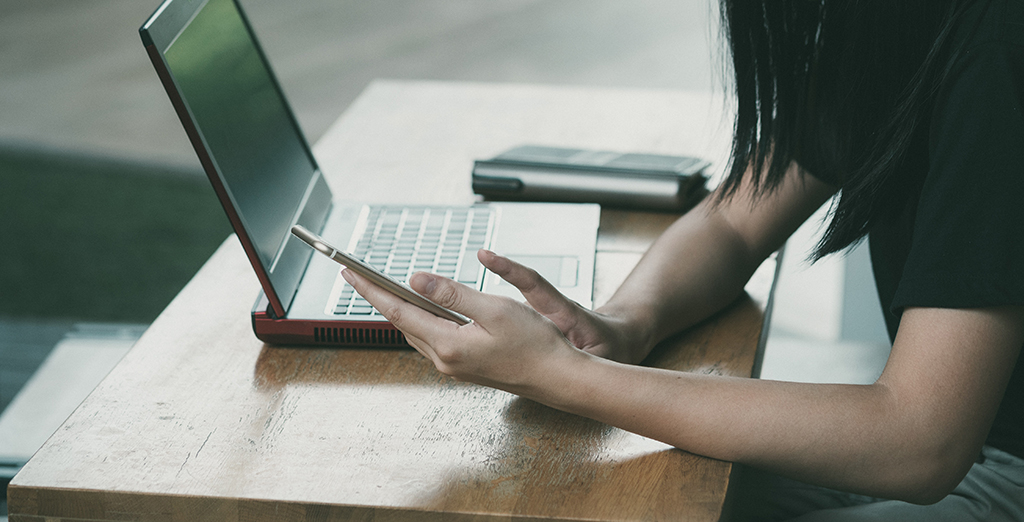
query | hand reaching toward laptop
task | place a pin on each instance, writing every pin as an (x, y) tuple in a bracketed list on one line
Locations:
[(509, 345), (593, 332)]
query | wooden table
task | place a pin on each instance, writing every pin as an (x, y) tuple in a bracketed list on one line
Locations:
[(201, 421)]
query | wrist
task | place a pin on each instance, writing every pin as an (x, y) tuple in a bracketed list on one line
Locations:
[(568, 382), (634, 328)]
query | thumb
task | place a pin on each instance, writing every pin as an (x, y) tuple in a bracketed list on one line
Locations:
[(447, 293)]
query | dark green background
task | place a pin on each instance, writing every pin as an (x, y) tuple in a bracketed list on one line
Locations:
[(98, 240)]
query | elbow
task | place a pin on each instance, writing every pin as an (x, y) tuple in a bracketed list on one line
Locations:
[(933, 476), (927, 452), (927, 492)]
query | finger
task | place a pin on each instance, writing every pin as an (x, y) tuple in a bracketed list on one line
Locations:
[(410, 319), (423, 348), (541, 294), (449, 294), (416, 343)]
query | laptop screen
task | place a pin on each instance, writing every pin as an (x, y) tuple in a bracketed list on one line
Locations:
[(248, 129)]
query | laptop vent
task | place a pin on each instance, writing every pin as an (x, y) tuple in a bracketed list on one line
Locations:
[(359, 336)]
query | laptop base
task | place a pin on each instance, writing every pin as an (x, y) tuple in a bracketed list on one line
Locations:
[(327, 332)]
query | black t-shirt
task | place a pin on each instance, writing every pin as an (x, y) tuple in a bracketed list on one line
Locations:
[(958, 239)]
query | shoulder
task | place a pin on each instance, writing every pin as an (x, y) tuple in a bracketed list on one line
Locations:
[(978, 111), (966, 246), (991, 22), (987, 39)]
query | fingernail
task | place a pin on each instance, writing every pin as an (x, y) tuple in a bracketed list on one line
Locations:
[(347, 275), (429, 287), (417, 283)]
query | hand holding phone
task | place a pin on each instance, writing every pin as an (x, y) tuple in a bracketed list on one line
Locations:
[(377, 277)]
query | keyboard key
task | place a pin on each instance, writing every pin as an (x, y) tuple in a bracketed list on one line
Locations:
[(468, 272), (402, 241)]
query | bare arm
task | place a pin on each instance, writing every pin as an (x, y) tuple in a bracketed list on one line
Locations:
[(911, 435), (701, 263), (695, 268)]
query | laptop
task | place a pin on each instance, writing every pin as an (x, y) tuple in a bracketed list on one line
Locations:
[(265, 175)]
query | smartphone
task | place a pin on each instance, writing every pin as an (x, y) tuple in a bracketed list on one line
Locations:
[(378, 278)]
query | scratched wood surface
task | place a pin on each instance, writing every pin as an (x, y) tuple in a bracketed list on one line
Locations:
[(201, 421)]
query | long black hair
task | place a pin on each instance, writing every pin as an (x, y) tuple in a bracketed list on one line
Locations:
[(842, 88)]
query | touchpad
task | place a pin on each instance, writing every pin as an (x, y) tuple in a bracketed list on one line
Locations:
[(561, 271)]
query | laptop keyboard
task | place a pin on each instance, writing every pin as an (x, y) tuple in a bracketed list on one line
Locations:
[(401, 241)]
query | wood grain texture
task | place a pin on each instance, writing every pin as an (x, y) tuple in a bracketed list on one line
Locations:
[(201, 421)]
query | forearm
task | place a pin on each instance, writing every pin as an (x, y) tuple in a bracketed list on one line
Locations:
[(695, 268), (701, 263), (842, 436), (911, 435)]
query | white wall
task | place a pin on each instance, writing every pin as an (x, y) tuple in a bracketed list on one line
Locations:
[(827, 324)]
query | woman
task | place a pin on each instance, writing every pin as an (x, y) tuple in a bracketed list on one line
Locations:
[(911, 112)]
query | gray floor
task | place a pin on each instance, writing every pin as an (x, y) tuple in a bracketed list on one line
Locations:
[(24, 345)]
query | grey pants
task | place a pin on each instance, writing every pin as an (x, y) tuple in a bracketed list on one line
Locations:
[(993, 490)]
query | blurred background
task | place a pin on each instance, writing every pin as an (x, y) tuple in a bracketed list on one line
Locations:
[(105, 213)]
